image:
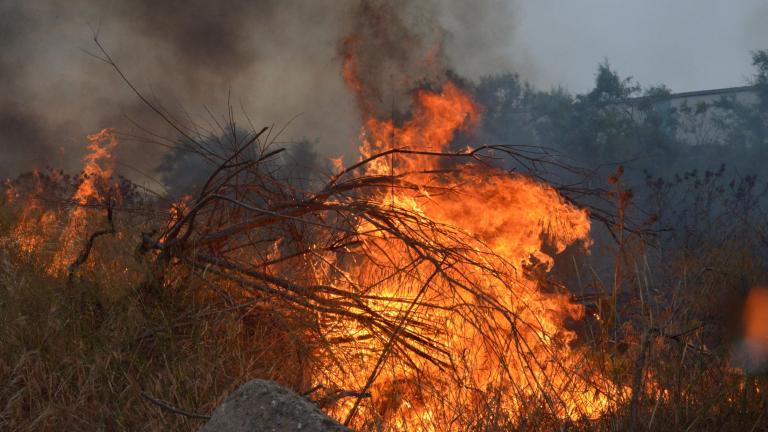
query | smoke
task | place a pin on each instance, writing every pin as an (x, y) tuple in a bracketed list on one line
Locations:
[(23, 142), (481, 38), (755, 32), (392, 47), (395, 46), (278, 61), (211, 39)]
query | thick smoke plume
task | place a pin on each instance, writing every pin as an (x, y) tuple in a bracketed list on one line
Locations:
[(279, 61), (393, 47), (396, 46), (23, 141)]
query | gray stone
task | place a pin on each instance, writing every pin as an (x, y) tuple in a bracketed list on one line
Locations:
[(260, 405)]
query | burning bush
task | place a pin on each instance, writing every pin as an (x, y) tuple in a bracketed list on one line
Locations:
[(414, 278), (411, 289)]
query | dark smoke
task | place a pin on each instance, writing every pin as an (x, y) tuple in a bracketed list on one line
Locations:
[(393, 47), (276, 60), (396, 46), (211, 43), (24, 143)]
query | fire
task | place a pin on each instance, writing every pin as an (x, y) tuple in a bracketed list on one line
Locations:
[(487, 215), (35, 221), (433, 124), (471, 315), (97, 173), (50, 232), (756, 316), (751, 355)]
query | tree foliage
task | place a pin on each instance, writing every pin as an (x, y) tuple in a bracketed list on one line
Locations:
[(619, 121)]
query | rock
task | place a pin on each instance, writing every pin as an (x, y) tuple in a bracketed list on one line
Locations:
[(265, 406)]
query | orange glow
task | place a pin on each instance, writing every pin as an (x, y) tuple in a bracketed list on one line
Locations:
[(505, 220), (756, 316), (495, 324), (36, 223), (177, 212), (753, 352), (436, 119), (97, 173)]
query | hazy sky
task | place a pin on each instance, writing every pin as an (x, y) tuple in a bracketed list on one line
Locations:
[(280, 58), (686, 44)]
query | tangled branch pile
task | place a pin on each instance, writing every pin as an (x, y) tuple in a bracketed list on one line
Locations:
[(420, 291)]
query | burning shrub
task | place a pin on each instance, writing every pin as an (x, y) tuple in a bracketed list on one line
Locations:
[(411, 289), (406, 279)]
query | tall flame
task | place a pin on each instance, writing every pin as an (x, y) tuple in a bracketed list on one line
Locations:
[(97, 173), (494, 327), (506, 220), (36, 223)]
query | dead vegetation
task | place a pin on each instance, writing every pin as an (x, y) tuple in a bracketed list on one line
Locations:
[(412, 289), (251, 278)]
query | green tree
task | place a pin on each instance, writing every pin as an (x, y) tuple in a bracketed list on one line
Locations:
[(615, 122), (506, 106), (745, 125)]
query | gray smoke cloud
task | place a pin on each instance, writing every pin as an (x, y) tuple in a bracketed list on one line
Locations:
[(278, 60), (397, 46), (24, 142), (393, 47), (483, 37)]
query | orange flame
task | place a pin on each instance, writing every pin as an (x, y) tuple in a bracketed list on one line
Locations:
[(756, 316), (751, 355), (97, 173), (506, 220), (36, 223)]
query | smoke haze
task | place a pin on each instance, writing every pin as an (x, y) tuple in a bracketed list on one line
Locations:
[(686, 44), (279, 59)]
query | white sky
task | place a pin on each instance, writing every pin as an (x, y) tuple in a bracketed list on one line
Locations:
[(685, 44)]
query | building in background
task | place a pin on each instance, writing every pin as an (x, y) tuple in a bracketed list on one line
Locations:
[(703, 120)]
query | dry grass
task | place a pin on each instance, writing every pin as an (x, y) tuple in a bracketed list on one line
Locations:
[(78, 354), (78, 357)]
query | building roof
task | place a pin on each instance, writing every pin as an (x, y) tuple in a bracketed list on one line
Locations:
[(712, 92)]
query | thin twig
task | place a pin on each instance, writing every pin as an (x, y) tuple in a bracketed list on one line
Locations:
[(168, 407)]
